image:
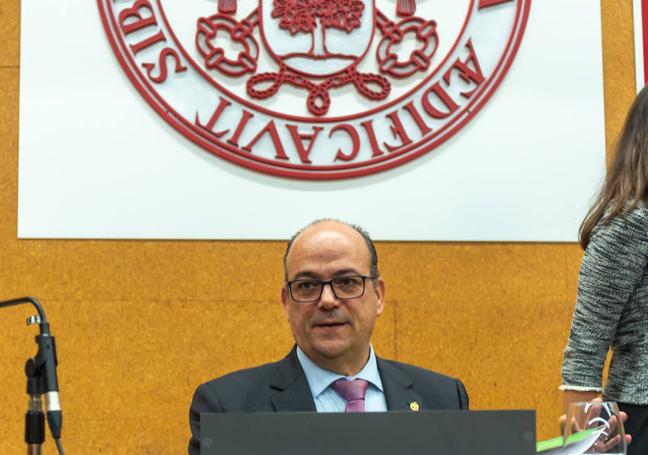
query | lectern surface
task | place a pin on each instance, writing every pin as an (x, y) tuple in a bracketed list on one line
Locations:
[(393, 433)]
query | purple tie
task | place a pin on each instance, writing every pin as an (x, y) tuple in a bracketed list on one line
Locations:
[(353, 392)]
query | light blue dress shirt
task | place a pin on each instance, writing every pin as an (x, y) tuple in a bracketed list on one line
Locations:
[(327, 400)]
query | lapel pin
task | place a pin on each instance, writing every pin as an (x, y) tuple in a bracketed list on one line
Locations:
[(414, 406)]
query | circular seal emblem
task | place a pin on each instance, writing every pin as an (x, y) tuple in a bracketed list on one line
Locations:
[(316, 89)]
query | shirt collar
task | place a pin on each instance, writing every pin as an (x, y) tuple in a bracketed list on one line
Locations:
[(319, 379)]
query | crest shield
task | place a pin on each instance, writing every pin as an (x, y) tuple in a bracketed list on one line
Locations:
[(318, 38)]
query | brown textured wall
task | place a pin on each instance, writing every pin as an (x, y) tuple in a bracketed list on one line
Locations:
[(139, 324)]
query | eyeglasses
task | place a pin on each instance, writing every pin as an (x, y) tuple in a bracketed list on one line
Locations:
[(343, 287)]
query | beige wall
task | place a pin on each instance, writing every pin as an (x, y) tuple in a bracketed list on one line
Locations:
[(139, 323)]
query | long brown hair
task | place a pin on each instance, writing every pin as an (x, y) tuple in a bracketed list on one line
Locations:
[(626, 183)]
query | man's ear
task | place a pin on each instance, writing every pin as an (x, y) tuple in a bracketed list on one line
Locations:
[(284, 300), (379, 286)]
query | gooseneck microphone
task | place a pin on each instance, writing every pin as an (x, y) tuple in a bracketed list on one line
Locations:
[(41, 380)]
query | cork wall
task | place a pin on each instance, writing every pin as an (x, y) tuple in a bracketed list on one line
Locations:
[(140, 323)]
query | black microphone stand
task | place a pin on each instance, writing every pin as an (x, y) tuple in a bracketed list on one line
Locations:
[(41, 380)]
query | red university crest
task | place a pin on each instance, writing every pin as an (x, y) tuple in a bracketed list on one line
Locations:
[(316, 89)]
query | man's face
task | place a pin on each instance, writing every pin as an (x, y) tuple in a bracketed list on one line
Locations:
[(334, 333)]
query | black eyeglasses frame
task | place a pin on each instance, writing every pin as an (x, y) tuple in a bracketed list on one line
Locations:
[(330, 284)]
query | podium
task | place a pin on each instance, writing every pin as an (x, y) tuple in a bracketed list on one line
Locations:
[(381, 433)]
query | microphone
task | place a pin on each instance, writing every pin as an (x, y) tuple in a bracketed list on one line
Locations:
[(41, 369), (47, 346)]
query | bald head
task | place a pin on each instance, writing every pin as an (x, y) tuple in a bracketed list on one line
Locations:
[(343, 228), (333, 328)]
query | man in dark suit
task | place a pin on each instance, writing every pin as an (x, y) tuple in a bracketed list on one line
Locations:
[(332, 296)]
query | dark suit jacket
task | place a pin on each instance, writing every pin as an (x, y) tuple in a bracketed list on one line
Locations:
[(282, 387)]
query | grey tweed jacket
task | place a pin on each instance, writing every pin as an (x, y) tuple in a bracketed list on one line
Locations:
[(612, 312)]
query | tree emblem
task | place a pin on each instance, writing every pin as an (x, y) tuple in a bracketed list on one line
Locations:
[(303, 16)]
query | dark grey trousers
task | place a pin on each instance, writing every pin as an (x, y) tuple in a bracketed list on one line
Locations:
[(637, 427)]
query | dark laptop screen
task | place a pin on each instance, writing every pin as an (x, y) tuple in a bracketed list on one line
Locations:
[(393, 433)]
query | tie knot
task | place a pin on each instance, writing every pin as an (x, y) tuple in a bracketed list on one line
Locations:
[(351, 390)]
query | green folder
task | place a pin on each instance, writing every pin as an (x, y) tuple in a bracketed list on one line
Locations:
[(554, 443), (548, 444)]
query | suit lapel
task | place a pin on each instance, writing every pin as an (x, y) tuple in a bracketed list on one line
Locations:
[(289, 388), (399, 392), (290, 391)]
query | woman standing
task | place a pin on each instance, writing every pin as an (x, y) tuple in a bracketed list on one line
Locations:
[(612, 303)]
